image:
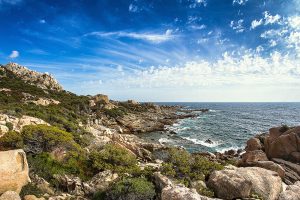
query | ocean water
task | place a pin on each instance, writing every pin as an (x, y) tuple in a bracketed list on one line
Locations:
[(226, 125)]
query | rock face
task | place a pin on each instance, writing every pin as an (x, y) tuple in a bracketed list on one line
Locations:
[(178, 192), (284, 145), (45, 102), (41, 80), (17, 123), (292, 192), (13, 170), (240, 182), (253, 144), (292, 170), (228, 184), (10, 195)]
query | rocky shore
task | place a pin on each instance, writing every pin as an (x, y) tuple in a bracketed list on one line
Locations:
[(56, 145)]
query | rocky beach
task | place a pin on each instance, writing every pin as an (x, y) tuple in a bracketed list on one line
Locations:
[(57, 145)]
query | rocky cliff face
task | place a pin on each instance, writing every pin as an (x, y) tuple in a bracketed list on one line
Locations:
[(41, 80)]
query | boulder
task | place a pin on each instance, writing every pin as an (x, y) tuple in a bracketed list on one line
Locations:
[(282, 145), (161, 181), (179, 192), (13, 170), (292, 192), (253, 156), (292, 170), (10, 195), (270, 166), (41, 184), (33, 197), (253, 144), (240, 182), (228, 184), (100, 182)]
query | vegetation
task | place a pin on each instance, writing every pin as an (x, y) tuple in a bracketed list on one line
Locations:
[(284, 128), (132, 189), (186, 167), (114, 158), (30, 189)]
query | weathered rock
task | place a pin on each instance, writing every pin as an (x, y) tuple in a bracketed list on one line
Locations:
[(44, 81), (282, 145), (41, 184), (228, 184), (13, 170), (73, 185), (268, 165), (254, 156), (292, 170), (178, 192), (10, 195), (161, 181), (101, 181), (263, 182), (18, 123), (292, 192), (253, 144), (45, 102), (33, 197)]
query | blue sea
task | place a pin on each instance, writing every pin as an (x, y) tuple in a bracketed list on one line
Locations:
[(226, 125)]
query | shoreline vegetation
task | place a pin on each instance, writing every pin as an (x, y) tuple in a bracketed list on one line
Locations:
[(88, 147)]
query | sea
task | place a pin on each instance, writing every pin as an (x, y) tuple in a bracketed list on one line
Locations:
[(225, 126)]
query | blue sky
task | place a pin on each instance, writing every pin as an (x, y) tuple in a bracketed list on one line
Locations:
[(159, 50)]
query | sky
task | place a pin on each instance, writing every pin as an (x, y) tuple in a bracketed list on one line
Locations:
[(159, 50)]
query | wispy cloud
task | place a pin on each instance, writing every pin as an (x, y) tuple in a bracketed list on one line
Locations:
[(237, 26), (256, 23), (239, 2), (14, 54), (150, 37)]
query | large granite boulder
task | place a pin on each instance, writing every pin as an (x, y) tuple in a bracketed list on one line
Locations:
[(13, 170), (228, 184), (254, 156), (179, 192), (284, 145), (10, 195), (240, 182), (292, 192)]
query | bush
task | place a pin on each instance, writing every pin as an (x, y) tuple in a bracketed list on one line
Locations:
[(11, 140), (284, 128), (10, 126), (30, 189), (132, 189), (115, 112), (185, 167), (114, 158)]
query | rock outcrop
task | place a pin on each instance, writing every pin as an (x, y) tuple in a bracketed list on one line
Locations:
[(284, 145), (41, 80), (13, 170), (17, 123), (292, 192), (240, 182)]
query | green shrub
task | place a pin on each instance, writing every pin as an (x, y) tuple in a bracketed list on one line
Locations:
[(114, 158), (31, 189), (284, 128), (115, 112), (10, 126), (132, 189), (43, 138), (11, 140)]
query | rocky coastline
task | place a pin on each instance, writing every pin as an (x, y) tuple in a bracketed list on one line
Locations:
[(56, 145)]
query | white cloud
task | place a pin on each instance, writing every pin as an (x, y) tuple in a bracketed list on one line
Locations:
[(150, 37), (240, 2), (14, 54), (133, 8), (237, 26), (256, 23), (197, 3), (248, 69), (269, 19), (42, 21)]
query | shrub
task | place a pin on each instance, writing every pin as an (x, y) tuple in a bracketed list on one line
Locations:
[(115, 112), (284, 128), (11, 140), (132, 189), (114, 158), (30, 189), (10, 126)]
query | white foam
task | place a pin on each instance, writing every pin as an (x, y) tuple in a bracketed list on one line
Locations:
[(164, 140), (202, 142), (222, 150)]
